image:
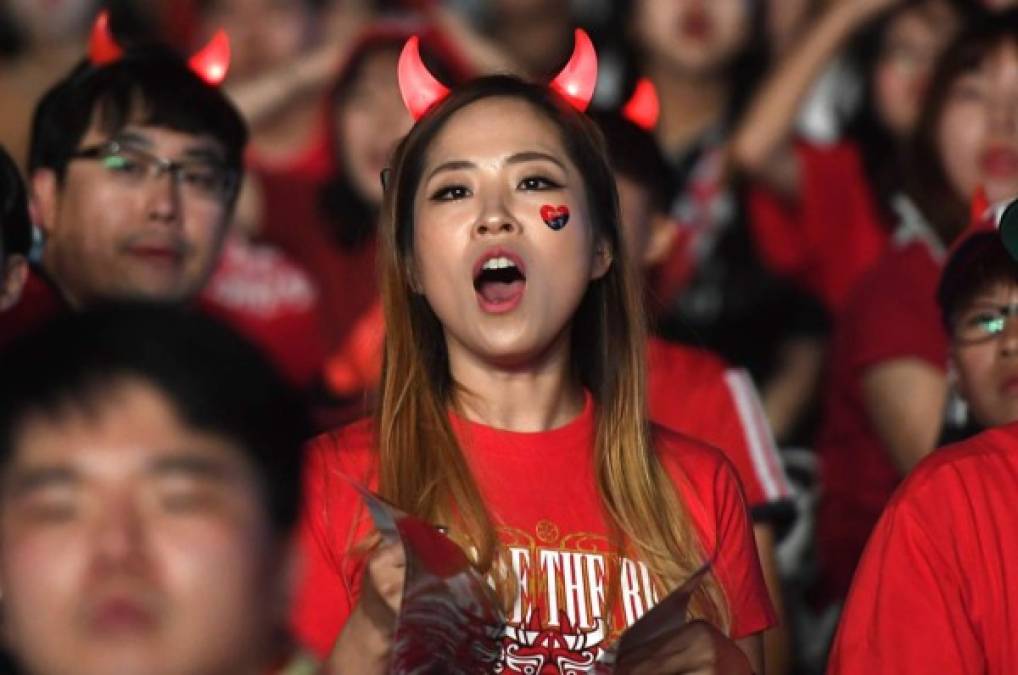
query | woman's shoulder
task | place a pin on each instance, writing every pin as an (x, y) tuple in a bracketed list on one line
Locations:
[(688, 460), (348, 450)]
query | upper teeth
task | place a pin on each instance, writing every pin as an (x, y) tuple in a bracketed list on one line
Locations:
[(498, 264)]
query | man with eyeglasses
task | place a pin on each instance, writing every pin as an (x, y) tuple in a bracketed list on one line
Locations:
[(935, 590), (134, 168)]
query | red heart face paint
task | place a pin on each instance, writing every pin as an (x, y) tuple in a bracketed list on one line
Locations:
[(555, 217)]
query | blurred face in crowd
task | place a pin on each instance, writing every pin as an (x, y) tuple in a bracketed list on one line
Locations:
[(53, 20), (135, 544), (371, 119), (694, 37), (985, 355), (912, 43), (263, 33), (121, 226), (977, 132)]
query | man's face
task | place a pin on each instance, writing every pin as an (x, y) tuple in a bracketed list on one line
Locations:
[(115, 230), (133, 544)]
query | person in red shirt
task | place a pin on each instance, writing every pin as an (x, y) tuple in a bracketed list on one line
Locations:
[(692, 390), (889, 380), (152, 485), (932, 592), (512, 408), (15, 232), (896, 45)]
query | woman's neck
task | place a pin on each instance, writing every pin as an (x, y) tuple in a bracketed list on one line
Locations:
[(690, 106), (538, 396)]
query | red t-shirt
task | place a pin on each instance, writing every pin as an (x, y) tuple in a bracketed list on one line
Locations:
[(262, 294), (892, 314), (832, 234), (936, 590), (696, 393), (346, 280), (540, 491)]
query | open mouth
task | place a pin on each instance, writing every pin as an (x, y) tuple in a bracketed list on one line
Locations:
[(499, 283)]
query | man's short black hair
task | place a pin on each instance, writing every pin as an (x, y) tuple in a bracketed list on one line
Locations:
[(15, 223), (215, 380), (976, 266), (150, 85)]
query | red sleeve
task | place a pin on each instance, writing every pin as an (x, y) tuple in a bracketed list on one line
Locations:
[(832, 234), (713, 495), (905, 612), (894, 313), (329, 572), (737, 565)]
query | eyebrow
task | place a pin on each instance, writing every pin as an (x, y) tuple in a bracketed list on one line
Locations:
[(22, 481), (191, 465), (518, 158)]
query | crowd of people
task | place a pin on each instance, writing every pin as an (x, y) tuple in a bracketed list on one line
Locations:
[(612, 294)]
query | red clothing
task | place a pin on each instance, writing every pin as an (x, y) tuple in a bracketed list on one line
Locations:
[(936, 589), (892, 315), (698, 394), (262, 294), (345, 280), (40, 301), (835, 231), (540, 490)]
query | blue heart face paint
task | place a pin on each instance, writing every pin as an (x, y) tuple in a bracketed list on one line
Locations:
[(555, 217)]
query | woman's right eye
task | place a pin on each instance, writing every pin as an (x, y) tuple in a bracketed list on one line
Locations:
[(450, 193)]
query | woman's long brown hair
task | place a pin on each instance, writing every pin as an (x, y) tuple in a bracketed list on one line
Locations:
[(422, 466)]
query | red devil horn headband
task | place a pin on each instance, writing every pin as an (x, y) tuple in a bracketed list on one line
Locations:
[(211, 63), (421, 90), (643, 107)]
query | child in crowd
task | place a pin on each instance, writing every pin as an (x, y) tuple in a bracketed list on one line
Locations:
[(889, 380), (15, 232), (934, 589), (512, 410)]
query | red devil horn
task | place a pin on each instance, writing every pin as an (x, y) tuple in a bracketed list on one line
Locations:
[(578, 77), (102, 48), (419, 88), (643, 107), (213, 61)]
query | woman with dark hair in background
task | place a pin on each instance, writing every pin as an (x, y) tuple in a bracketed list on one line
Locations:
[(15, 232), (889, 382), (712, 289), (802, 234)]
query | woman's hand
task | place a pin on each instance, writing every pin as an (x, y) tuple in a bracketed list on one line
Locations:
[(698, 648), (365, 644)]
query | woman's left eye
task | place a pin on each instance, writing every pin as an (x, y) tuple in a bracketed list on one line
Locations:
[(538, 183)]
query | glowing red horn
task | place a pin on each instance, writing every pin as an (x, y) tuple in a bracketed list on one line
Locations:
[(578, 77), (419, 88), (213, 61), (643, 107), (102, 48)]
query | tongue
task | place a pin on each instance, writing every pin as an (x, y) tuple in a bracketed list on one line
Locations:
[(497, 292)]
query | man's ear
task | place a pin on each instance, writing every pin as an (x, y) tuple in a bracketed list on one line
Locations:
[(603, 257), (14, 274), (45, 196), (663, 231)]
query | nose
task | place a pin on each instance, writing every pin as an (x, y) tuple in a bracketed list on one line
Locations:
[(119, 537), (495, 217), (164, 201)]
